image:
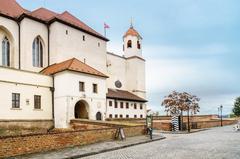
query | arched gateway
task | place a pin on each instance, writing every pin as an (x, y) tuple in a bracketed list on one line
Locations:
[(81, 110)]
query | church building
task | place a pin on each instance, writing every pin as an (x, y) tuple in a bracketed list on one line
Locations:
[(55, 68)]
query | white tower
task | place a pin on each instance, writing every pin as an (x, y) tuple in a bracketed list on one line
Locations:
[(135, 63), (132, 43)]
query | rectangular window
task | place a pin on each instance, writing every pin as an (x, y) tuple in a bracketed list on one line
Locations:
[(81, 86), (141, 116), (135, 105), (116, 116), (135, 116), (95, 89), (110, 103), (127, 116), (110, 115), (121, 115), (127, 105), (15, 100), (83, 37), (141, 106), (116, 104), (37, 102), (121, 104)]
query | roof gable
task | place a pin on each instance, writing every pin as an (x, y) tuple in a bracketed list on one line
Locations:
[(72, 65), (11, 8)]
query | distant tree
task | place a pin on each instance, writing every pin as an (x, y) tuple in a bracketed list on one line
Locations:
[(236, 108), (176, 102)]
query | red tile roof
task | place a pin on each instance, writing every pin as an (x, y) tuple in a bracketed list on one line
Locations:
[(124, 95), (72, 65), (133, 32), (12, 9)]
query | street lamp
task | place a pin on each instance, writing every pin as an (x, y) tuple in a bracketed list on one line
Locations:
[(188, 102), (221, 107)]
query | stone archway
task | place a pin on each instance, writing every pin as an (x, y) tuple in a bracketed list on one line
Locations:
[(81, 110), (99, 116)]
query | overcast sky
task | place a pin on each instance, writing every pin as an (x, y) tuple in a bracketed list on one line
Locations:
[(189, 45)]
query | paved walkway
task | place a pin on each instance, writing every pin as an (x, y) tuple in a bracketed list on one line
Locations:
[(81, 151), (215, 143)]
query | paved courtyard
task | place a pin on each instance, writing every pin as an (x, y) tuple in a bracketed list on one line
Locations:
[(216, 143)]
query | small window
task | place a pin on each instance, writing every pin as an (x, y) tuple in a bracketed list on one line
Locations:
[(116, 104), (83, 37), (81, 86), (135, 105), (121, 116), (15, 100), (121, 104), (99, 44), (123, 48), (110, 103), (66, 32), (141, 116), (129, 44), (110, 115), (127, 116), (127, 105), (116, 116), (37, 102), (135, 116), (138, 45), (141, 106), (95, 89)]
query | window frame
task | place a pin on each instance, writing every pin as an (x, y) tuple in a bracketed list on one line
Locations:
[(135, 105), (81, 86), (5, 52), (110, 103), (15, 100), (37, 102), (37, 52), (121, 105), (129, 44), (95, 88), (127, 105)]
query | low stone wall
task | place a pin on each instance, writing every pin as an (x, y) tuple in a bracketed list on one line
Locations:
[(25, 144), (160, 125), (214, 123), (45, 124)]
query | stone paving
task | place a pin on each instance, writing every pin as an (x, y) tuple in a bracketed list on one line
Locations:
[(215, 143), (80, 151)]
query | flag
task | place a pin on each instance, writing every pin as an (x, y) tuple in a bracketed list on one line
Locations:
[(106, 26)]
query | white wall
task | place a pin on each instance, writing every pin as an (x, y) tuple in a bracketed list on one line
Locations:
[(27, 84), (135, 76), (65, 46), (67, 94), (9, 28), (116, 71), (30, 29), (124, 111)]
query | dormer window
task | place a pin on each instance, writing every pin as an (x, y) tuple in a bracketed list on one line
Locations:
[(129, 44), (138, 45), (5, 52)]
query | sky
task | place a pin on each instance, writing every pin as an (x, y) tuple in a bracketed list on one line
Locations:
[(189, 45)]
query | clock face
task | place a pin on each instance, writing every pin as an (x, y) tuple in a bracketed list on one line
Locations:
[(118, 84)]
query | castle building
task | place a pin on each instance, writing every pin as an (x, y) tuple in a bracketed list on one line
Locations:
[(55, 68)]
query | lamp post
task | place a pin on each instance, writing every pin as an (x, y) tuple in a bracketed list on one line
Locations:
[(218, 112), (221, 107), (188, 102)]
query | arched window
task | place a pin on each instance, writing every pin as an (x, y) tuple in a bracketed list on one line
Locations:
[(138, 45), (129, 44), (5, 52), (37, 52)]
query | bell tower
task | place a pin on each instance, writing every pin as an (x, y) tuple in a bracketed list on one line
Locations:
[(132, 43)]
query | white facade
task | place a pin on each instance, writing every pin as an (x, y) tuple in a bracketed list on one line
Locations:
[(59, 92)]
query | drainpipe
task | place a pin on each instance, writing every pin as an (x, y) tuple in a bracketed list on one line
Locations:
[(48, 28), (52, 90), (19, 45)]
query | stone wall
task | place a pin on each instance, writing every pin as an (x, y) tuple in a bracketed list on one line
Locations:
[(25, 144), (45, 124)]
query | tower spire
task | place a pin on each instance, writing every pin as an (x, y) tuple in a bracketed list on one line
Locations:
[(131, 22)]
